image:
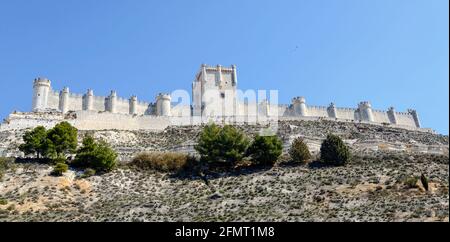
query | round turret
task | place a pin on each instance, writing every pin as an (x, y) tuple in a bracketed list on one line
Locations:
[(41, 90), (392, 115), (300, 108), (415, 116), (365, 104), (133, 105), (112, 101), (163, 104), (365, 109), (88, 100), (64, 100), (233, 67), (332, 113)]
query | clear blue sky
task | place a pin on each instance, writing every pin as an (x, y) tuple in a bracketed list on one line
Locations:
[(390, 52)]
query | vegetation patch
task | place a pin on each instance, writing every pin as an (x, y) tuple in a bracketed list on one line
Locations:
[(225, 145), (54, 143), (59, 169), (163, 161), (411, 182), (333, 151), (265, 150), (299, 151), (95, 155)]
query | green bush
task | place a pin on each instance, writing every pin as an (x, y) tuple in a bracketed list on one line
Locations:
[(88, 172), (222, 145), (5, 164), (411, 182), (265, 150), (56, 142), (34, 142), (59, 160), (299, 151), (334, 151), (59, 169), (162, 161), (61, 140), (3, 201), (95, 155)]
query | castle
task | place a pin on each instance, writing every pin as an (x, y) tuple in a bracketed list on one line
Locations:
[(214, 97)]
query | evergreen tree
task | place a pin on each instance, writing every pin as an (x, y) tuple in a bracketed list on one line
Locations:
[(265, 149), (62, 139), (224, 145), (95, 155), (35, 142), (333, 151), (299, 151)]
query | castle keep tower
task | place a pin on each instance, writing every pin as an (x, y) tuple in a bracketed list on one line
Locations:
[(214, 91), (41, 90), (64, 100), (163, 102)]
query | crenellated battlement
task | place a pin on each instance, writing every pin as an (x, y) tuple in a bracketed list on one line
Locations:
[(222, 81), (42, 81), (299, 100)]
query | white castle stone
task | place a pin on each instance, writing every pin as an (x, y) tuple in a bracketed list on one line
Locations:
[(214, 97)]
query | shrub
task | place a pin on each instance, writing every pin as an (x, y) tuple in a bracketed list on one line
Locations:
[(88, 172), (95, 155), (299, 151), (3, 201), (59, 169), (59, 160), (34, 142), (411, 182), (333, 151), (162, 161), (265, 150), (221, 145), (5, 164)]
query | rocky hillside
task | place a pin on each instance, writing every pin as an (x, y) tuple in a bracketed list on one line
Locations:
[(374, 186), (359, 135), (371, 188)]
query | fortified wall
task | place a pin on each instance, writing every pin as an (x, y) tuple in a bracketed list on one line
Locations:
[(89, 112), (47, 99)]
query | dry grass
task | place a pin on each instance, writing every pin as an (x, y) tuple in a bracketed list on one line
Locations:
[(162, 161)]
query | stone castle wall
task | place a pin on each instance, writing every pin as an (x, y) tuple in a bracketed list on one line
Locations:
[(92, 120), (100, 103), (122, 106), (222, 81)]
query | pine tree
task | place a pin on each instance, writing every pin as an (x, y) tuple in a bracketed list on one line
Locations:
[(34, 142), (62, 139), (334, 151), (265, 149), (299, 151)]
